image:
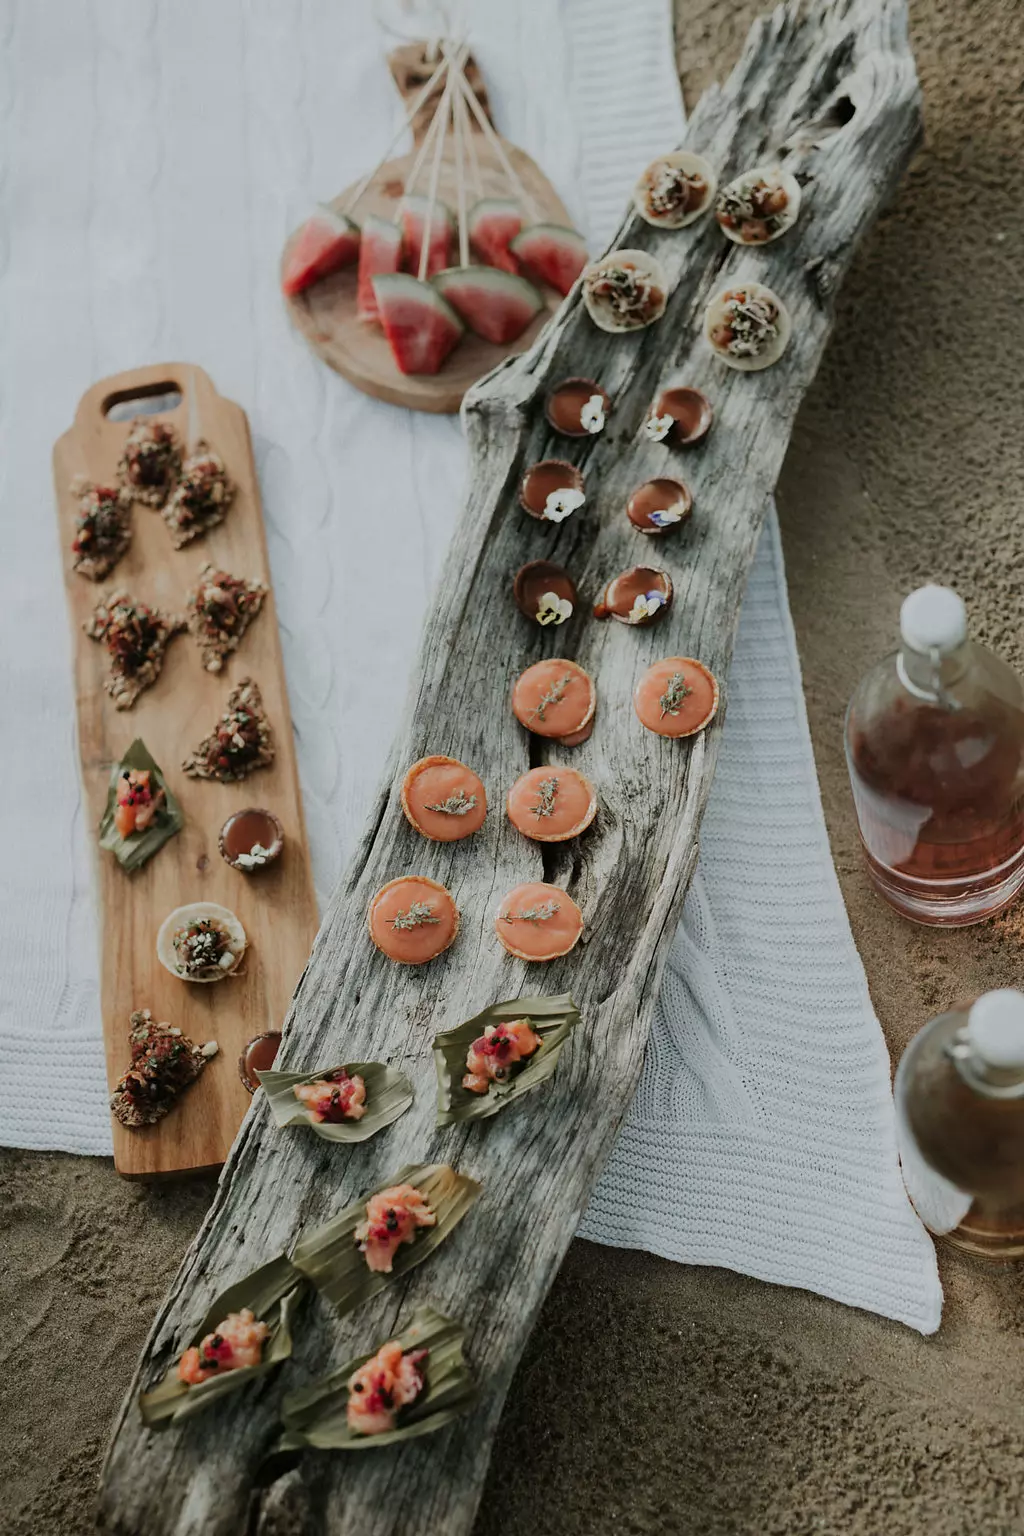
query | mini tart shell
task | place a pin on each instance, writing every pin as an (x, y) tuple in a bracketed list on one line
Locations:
[(715, 314), (459, 826), (553, 892), (581, 430), (193, 913), (706, 415), (273, 852), (435, 885), (788, 183), (573, 481), (642, 259), (661, 582), (534, 775), (557, 733), (693, 165), (679, 664)]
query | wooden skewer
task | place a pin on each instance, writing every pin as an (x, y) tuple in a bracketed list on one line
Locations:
[(419, 101), (474, 158), (494, 141), (460, 123), (435, 173), (430, 135), (192, 429)]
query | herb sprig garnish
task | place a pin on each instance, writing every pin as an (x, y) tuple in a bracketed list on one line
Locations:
[(554, 695), (538, 914), (677, 690), (547, 789), (457, 804), (418, 914)]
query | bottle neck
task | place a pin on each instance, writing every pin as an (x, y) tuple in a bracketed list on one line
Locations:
[(931, 675), (979, 1075)]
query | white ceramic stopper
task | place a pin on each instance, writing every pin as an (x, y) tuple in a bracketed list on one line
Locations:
[(933, 619), (995, 1027)]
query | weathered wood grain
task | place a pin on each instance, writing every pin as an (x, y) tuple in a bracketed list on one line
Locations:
[(846, 68)]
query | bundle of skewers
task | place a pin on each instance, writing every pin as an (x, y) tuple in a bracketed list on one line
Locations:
[(429, 273)]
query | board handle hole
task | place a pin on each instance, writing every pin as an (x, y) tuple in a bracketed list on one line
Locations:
[(152, 400)]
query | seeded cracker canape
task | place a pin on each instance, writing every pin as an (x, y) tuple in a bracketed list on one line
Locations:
[(625, 291), (538, 922), (443, 799), (552, 490), (544, 592), (554, 698), (136, 637), (658, 506), (201, 942), (200, 499), (347, 1103), (103, 528), (163, 1064), (240, 743), (748, 327), (674, 190), (413, 920), (220, 609), (676, 697), (577, 408), (638, 596), (680, 417), (549, 804), (758, 206), (141, 814), (505, 1051), (150, 461)]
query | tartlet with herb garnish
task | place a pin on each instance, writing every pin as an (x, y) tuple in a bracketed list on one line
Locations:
[(220, 609), (103, 528), (676, 697), (554, 698), (136, 637), (141, 813), (241, 742), (493, 1059), (443, 799), (625, 291), (747, 327), (537, 921), (164, 1061), (347, 1103), (674, 190), (201, 942), (413, 919), (551, 804), (150, 461), (201, 497), (758, 206)]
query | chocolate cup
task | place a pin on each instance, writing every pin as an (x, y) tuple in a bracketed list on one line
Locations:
[(549, 475), (534, 579), (273, 849), (551, 411), (678, 492), (690, 410), (253, 1059), (640, 579)]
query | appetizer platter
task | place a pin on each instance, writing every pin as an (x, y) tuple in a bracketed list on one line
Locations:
[(207, 909), (508, 968), (470, 246)]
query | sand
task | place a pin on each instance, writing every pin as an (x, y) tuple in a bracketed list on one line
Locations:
[(655, 1397)]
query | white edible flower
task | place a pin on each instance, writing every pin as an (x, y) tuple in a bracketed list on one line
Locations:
[(645, 606), (552, 609), (658, 427), (592, 414), (666, 517), (561, 504)]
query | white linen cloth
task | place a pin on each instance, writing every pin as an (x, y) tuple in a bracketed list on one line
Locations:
[(152, 160)]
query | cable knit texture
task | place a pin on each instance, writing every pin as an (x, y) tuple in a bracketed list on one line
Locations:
[(152, 160)]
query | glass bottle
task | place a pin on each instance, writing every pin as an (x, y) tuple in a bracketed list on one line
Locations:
[(935, 749), (960, 1120)]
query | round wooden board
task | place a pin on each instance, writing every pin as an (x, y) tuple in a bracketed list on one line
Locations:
[(326, 313)]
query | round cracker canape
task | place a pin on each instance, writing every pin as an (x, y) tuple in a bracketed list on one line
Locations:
[(201, 942), (550, 805), (747, 326), (660, 505), (443, 799), (538, 922), (676, 697), (577, 407), (638, 596), (675, 189), (680, 416), (554, 698), (758, 206), (545, 592), (552, 490), (413, 919), (625, 291)]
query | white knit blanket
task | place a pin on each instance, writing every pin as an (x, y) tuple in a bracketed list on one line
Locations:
[(152, 159)]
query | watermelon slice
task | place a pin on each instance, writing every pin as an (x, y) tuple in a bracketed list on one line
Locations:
[(550, 253), (419, 324), (412, 215), (492, 223), (496, 305), (380, 251), (326, 242)]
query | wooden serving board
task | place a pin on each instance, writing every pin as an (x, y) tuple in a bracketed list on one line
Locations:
[(277, 906), (326, 313)]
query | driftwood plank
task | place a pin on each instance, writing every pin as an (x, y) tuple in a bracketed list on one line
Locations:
[(838, 87)]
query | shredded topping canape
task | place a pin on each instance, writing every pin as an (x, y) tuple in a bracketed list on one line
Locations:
[(753, 208), (630, 296), (749, 324), (202, 948)]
